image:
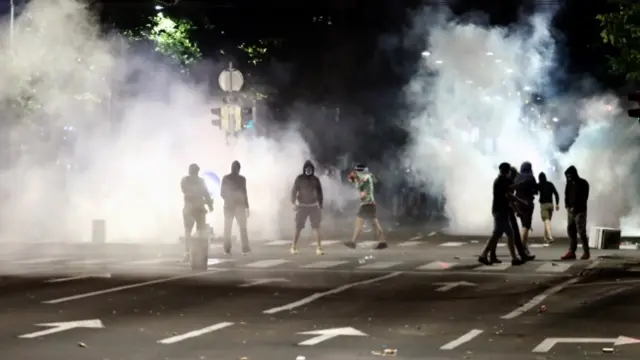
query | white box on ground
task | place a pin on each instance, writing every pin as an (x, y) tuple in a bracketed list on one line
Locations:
[(604, 238)]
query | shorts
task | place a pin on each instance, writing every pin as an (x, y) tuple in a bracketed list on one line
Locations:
[(546, 211), (313, 213), (525, 213), (194, 216), (367, 211)]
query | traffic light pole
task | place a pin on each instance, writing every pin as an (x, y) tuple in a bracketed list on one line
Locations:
[(634, 113)]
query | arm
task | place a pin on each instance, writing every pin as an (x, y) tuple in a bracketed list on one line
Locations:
[(183, 186), (244, 192), (586, 191), (205, 194), (566, 195), (294, 190), (319, 193), (555, 194), (224, 188)]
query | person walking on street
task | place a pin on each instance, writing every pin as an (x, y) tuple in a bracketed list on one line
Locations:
[(233, 190), (307, 200), (576, 196), (196, 202), (548, 193)]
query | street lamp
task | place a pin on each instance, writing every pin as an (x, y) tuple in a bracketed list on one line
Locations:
[(159, 8), (11, 22)]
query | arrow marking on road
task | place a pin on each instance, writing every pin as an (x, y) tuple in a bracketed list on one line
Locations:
[(57, 327), (80, 277), (262, 281), (549, 343), (326, 334), (446, 286)]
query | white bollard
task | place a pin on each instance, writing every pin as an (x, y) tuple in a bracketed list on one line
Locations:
[(98, 231)]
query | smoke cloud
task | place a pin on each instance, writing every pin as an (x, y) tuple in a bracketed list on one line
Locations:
[(472, 99), (78, 157)]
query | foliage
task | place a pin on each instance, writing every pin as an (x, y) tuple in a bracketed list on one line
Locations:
[(621, 30), (171, 37)]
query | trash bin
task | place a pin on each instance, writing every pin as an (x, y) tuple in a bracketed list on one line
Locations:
[(199, 248)]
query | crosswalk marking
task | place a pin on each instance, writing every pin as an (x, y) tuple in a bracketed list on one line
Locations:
[(329, 242), (553, 267), (88, 262), (368, 243), (381, 265), (38, 261), (537, 245), (452, 244), (267, 263), (411, 243), (324, 264), (437, 265), (279, 242), (153, 261), (495, 267)]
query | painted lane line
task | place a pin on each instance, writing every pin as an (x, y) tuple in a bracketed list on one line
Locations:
[(89, 261), (317, 296), (262, 264), (194, 333), (554, 267), (126, 287), (381, 265), (411, 243), (461, 340), (324, 264), (437, 265), (495, 267), (153, 261), (79, 277), (452, 244), (368, 243), (279, 243), (417, 237), (39, 261), (538, 299), (328, 242)]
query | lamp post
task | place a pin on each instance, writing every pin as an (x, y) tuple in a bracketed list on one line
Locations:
[(12, 16)]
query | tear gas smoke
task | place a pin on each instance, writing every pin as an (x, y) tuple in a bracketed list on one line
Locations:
[(125, 164), (471, 98)]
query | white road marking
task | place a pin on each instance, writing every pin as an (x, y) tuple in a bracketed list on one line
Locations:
[(417, 237), (461, 340), (316, 296), (538, 299), (452, 244), (126, 287), (368, 243), (324, 264), (38, 261), (262, 264), (437, 265), (554, 267), (495, 267), (537, 245), (411, 243), (88, 261), (328, 242), (79, 277), (279, 242), (153, 261), (195, 333), (381, 265)]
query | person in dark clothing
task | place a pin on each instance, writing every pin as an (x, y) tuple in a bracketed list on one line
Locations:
[(576, 196), (526, 188), (547, 193), (233, 191), (500, 208), (196, 202), (307, 200)]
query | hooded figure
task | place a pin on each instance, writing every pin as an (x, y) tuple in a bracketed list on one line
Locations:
[(233, 190), (307, 200), (576, 196), (525, 183), (196, 197), (547, 194)]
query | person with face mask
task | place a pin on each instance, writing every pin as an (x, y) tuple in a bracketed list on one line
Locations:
[(526, 188), (547, 193), (307, 200), (516, 203), (196, 202), (364, 182), (233, 190), (576, 196)]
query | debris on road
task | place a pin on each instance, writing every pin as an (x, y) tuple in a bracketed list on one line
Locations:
[(385, 352), (607, 350)]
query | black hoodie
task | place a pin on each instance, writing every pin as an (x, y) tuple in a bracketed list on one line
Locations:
[(547, 190), (233, 189), (576, 193), (307, 189)]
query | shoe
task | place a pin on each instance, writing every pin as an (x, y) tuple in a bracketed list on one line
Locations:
[(550, 240), (319, 251), (516, 262), (246, 251), (570, 255), (585, 256), (528, 258), (350, 244), (293, 250), (495, 260), (381, 246), (483, 260)]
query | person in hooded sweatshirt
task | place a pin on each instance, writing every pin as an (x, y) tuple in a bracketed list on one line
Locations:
[(307, 200), (547, 193), (196, 202), (576, 196), (364, 182), (233, 190), (526, 188)]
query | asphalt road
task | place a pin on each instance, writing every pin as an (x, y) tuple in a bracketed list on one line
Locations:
[(426, 300)]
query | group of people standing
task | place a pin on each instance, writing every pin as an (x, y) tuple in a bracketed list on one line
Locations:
[(307, 201), (514, 197)]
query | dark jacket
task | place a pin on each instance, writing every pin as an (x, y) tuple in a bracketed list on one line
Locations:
[(547, 190), (525, 183), (196, 194), (576, 193), (307, 189), (233, 189), (501, 203)]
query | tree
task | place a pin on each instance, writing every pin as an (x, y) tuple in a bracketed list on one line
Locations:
[(171, 37), (621, 30)]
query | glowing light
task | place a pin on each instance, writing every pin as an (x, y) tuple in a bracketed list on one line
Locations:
[(555, 119), (438, 62), (426, 54), (212, 181)]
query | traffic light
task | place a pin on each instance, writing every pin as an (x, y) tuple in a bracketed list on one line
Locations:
[(634, 113)]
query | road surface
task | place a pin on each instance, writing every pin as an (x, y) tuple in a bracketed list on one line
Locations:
[(426, 300)]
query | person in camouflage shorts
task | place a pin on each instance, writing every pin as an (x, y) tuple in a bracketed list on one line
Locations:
[(364, 182)]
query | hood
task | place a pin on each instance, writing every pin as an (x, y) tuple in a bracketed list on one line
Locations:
[(513, 173), (235, 167), (571, 172), (542, 177), (308, 168), (194, 169), (526, 172)]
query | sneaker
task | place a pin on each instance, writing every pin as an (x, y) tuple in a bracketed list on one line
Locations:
[(246, 251), (484, 260), (319, 251), (381, 245), (293, 250), (585, 256), (550, 240), (570, 255), (528, 257), (516, 262), (350, 244), (495, 260)]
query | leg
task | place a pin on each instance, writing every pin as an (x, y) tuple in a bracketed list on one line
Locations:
[(517, 241), (228, 222), (315, 217), (572, 231), (492, 243), (356, 233), (527, 218), (241, 217), (300, 220), (581, 227), (188, 222)]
